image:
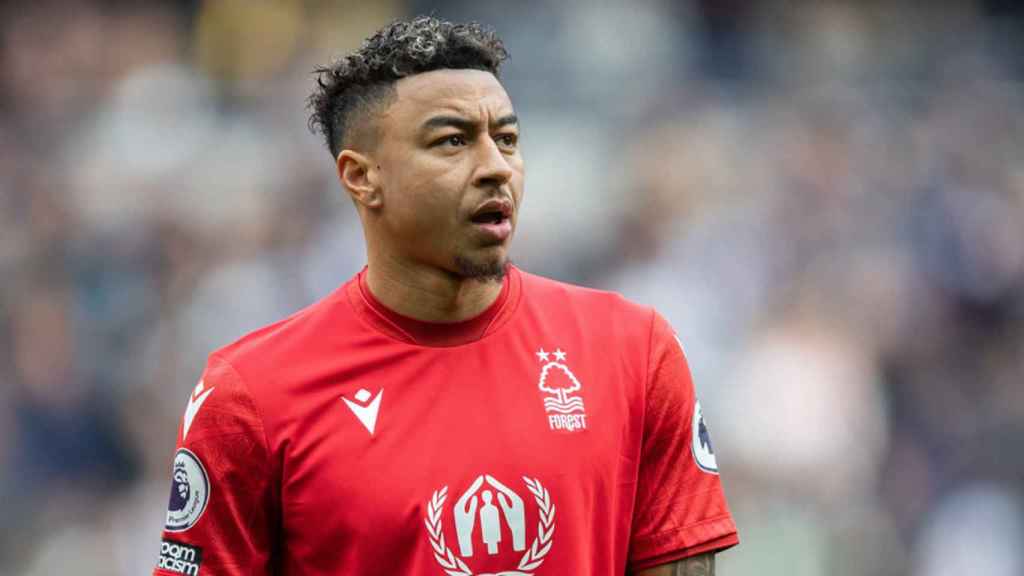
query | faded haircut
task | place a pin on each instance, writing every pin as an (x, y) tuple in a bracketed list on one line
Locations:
[(348, 90)]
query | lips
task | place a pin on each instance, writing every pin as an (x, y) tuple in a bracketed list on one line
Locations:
[(493, 220), (493, 211)]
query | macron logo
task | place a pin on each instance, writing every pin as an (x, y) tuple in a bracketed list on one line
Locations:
[(195, 401), (365, 409)]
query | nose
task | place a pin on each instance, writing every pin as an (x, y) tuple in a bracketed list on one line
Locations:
[(493, 169)]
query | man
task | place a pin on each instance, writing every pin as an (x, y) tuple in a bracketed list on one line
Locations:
[(443, 412)]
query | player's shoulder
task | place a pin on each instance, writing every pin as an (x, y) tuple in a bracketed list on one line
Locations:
[(597, 303), (290, 339)]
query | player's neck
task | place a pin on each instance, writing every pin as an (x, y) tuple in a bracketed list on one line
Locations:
[(427, 293)]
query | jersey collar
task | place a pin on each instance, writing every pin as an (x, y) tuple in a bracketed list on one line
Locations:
[(434, 334)]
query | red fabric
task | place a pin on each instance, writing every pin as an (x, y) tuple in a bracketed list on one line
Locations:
[(298, 485), (238, 528), (668, 474), (416, 331)]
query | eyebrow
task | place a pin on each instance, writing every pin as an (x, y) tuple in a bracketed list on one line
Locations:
[(465, 124)]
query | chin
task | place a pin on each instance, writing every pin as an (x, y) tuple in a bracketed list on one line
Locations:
[(483, 269)]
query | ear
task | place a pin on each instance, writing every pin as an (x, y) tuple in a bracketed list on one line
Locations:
[(358, 175)]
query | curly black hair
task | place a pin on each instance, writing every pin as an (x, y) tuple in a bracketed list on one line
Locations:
[(353, 84)]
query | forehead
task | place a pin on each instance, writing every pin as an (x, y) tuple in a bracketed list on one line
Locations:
[(475, 94)]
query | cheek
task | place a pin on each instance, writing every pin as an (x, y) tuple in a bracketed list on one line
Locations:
[(422, 199), (422, 190), (518, 179)]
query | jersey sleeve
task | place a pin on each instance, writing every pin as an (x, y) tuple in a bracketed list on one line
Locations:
[(221, 512), (680, 507)]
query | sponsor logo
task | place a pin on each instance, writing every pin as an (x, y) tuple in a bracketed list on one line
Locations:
[(364, 408), (566, 413), (190, 492), (703, 453), (179, 558), (195, 402), (479, 515)]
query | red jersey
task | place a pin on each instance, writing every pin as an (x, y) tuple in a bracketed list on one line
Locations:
[(556, 433)]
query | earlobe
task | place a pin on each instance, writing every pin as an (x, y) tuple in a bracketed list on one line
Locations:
[(358, 175)]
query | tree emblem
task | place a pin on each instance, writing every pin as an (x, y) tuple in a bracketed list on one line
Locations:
[(557, 379)]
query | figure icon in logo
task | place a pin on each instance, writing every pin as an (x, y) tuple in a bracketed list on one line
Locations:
[(490, 523), (487, 505), (513, 510), (468, 508)]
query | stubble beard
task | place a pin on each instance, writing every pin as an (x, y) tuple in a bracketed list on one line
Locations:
[(492, 270)]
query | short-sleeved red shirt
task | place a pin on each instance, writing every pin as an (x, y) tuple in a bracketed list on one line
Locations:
[(557, 433)]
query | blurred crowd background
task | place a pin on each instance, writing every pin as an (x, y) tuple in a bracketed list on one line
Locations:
[(826, 199)]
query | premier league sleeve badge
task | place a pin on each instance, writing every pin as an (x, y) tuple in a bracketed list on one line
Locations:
[(190, 492)]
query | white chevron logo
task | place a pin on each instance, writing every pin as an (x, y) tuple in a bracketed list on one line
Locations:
[(195, 401), (366, 412)]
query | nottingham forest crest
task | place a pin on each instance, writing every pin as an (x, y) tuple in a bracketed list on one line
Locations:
[(563, 404)]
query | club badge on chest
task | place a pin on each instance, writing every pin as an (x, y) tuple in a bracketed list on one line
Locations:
[(562, 401)]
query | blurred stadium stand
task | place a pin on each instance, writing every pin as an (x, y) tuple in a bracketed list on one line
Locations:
[(826, 199)]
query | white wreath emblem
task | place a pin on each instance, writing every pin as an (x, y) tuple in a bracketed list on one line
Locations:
[(530, 561)]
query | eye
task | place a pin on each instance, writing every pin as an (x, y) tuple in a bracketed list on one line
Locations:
[(508, 140), (452, 140)]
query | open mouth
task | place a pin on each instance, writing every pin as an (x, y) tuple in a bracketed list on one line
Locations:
[(494, 211), (489, 217)]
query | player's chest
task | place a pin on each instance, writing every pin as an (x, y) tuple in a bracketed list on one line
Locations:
[(492, 447)]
